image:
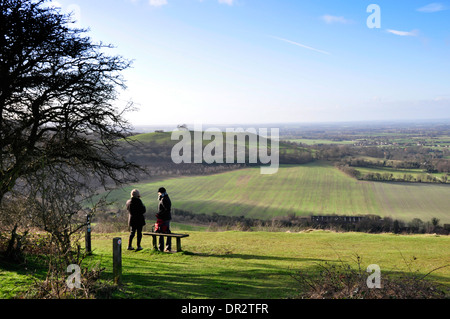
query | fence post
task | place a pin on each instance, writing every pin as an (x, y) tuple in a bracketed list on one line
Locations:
[(117, 260), (88, 234)]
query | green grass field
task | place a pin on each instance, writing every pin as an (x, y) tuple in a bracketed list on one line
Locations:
[(316, 188), (242, 265), (239, 265)]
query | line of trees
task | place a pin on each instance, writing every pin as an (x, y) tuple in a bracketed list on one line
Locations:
[(350, 167), (432, 166), (368, 223)]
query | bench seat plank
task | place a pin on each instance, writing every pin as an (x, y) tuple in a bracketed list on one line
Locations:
[(167, 235), (177, 236)]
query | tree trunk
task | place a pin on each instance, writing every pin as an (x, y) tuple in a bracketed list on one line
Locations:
[(11, 251)]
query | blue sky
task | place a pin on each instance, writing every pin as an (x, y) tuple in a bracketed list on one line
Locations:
[(257, 61)]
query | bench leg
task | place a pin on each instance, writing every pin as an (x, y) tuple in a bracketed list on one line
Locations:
[(161, 243), (155, 244), (178, 244)]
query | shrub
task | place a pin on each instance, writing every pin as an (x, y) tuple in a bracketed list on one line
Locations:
[(55, 286), (342, 281)]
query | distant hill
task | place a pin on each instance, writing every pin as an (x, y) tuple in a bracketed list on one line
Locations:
[(156, 147)]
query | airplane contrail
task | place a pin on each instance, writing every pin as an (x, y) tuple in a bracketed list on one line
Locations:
[(302, 45)]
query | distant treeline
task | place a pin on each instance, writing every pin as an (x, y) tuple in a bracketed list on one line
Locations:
[(171, 169), (350, 167), (433, 166), (414, 157), (118, 221), (365, 223)]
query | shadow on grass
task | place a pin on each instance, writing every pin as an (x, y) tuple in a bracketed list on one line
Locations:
[(187, 275), (16, 278), (32, 265), (223, 284), (258, 257)]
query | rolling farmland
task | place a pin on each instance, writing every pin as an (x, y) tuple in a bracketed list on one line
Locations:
[(315, 188)]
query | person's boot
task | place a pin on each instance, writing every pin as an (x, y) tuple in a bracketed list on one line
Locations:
[(139, 239)]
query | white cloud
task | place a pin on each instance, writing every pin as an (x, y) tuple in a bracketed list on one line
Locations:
[(55, 4), (445, 98), (157, 3), (334, 19), (229, 2), (412, 33), (52, 4), (302, 45), (432, 7)]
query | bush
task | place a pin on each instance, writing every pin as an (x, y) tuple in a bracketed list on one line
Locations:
[(342, 281), (55, 285)]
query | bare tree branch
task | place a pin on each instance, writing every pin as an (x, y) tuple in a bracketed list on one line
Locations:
[(57, 90)]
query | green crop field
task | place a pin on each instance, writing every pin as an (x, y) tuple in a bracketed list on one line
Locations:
[(316, 188), (238, 265)]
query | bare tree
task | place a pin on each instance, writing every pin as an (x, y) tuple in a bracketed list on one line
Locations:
[(57, 93)]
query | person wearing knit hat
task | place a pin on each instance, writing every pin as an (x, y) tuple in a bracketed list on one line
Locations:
[(163, 218), (135, 193), (136, 220)]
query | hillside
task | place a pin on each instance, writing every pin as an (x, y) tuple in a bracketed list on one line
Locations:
[(151, 148), (314, 188)]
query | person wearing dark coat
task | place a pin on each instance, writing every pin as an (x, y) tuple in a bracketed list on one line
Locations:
[(136, 220), (163, 218)]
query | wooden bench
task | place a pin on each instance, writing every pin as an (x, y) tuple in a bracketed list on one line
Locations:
[(161, 235)]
